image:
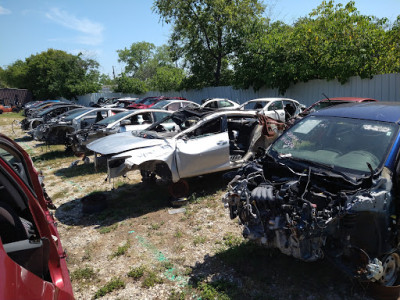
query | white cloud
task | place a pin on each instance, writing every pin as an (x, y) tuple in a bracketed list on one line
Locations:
[(4, 11), (92, 31)]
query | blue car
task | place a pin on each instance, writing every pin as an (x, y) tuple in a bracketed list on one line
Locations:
[(329, 187)]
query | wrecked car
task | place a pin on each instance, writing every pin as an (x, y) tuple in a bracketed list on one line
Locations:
[(174, 105), (124, 121), (329, 187), (219, 103), (55, 132), (277, 108), (33, 262), (46, 115), (196, 143)]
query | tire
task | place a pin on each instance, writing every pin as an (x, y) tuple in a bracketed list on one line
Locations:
[(1, 111)]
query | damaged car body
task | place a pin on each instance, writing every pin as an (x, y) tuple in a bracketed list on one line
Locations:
[(122, 122), (328, 187), (33, 262), (197, 142), (55, 132)]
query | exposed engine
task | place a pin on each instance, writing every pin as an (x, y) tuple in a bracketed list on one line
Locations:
[(315, 213)]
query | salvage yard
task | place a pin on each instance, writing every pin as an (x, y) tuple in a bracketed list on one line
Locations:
[(139, 247)]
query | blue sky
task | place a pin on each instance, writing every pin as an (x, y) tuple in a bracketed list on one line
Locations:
[(99, 28)]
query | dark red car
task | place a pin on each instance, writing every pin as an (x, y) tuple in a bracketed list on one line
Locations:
[(150, 101), (32, 260)]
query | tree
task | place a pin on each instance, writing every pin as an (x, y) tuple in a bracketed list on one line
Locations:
[(54, 73), (333, 42), (206, 34), (167, 79), (135, 56), (125, 84)]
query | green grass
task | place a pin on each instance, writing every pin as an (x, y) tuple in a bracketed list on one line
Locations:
[(108, 229), (121, 250), (86, 273), (199, 240), (114, 284), (151, 279), (136, 273)]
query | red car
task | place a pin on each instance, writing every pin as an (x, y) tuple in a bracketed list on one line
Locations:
[(150, 101), (334, 101), (32, 260)]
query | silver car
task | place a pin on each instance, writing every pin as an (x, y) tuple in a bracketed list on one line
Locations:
[(195, 143)]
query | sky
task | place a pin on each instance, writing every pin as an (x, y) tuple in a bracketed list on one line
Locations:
[(98, 28)]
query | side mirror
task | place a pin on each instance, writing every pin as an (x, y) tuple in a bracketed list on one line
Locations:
[(125, 122)]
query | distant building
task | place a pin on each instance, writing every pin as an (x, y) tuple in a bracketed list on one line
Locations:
[(15, 96)]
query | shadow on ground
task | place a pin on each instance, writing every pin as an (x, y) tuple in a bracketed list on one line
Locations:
[(25, 138), (133, 200), (262, 273)]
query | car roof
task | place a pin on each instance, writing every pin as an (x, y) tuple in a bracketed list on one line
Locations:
[(271, 99), (378, 111), (349, 99)]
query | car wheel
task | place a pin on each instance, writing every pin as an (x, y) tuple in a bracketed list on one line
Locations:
[(391, 267), (1, 111)]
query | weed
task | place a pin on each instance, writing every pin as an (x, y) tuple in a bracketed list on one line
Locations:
[(121, 250), (199, 240), (167, 265), (176, 295), (59, 194), (178, 234), (108, 229), (137, 272), (114, 284), (86, 273), (231, 240), (151, 280), (155, 226)]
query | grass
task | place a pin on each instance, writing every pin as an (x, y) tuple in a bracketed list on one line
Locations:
[(108, 229), (115, 284), (136, 273), (86, 273), (151, 279), (199, 240), (122, 250)]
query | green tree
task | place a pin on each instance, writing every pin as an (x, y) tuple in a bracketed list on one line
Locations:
[(135, 56), (105, 79), (333, 42), (125, 84), (54, 73), (167, 79), (206, 34)]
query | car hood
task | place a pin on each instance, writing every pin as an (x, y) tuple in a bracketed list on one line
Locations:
[(121, 142)]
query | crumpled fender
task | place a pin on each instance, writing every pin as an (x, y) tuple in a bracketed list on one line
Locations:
[(134, 158)]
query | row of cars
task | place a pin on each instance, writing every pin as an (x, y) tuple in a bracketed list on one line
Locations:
[(326, 187)]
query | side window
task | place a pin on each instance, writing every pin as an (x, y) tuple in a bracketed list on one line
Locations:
[(173, 106), (275, 105), (160, 115), (212, 104), (209, 128), (224, 103)]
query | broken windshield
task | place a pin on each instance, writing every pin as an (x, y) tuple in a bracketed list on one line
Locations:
[(342, 143)]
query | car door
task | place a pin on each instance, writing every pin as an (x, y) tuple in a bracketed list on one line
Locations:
[(275, 110), (203, 150)]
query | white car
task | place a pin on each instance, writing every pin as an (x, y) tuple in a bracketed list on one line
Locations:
[(129, 120), (277, 108), (174, 104), (197, 143), (219, 103)]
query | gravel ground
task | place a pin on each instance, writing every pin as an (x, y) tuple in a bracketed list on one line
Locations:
[(139, 247)]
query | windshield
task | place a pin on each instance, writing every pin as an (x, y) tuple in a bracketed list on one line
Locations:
[(73, 111), (76, 114), (342, 143), (149, 101), (114, 118), (161, 104)]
